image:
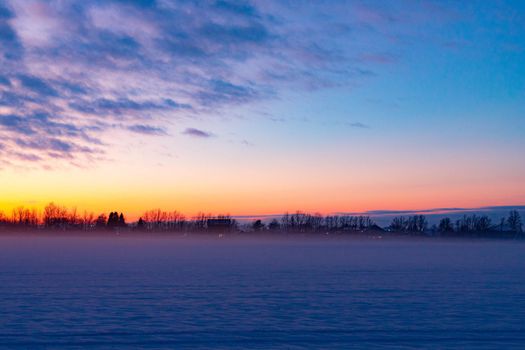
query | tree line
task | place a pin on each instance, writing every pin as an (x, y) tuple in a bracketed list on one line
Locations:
[(468, 225), (56, 217)]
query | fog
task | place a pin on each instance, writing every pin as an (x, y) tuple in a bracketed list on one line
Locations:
[(187, 292)]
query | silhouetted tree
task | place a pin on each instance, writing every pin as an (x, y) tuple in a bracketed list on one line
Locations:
[(55, 216), (101, 221), (514, 221), (502, 225), (473, 224), (73, 219), (417, 224), (482, 223), (159, 220), (140, 225), (176, 221), (24, 218), (58, 217), (413, 224), (258, 225), (274, 225), (304, 222), (121, 221), (399, 224), (88, 221), (445, 226), (113, 220), (200, 221), (3, 218)]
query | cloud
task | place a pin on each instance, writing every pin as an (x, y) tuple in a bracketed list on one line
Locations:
[(197, 133), (219, 91), (446, 210), (237, 7), (37, 85), (254, 33), (71, 70), (5, 81), (10, 46), (359, 125), (384, 217), (39, 137), (147, 130), (26, 157), (104, 106)]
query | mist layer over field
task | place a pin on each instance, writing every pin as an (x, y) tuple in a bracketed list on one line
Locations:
[(181, 292)]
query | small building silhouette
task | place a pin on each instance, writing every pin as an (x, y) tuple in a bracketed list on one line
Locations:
[(219, 225)]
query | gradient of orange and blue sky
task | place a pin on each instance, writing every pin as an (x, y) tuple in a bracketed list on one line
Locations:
[(261, 107)]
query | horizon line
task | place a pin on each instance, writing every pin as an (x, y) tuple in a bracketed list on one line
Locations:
[(391, 212), (376, 213)]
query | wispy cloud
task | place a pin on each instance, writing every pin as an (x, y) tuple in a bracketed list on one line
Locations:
[(359, 125), (68, 68), (435, 213), (147, 130), (197, 133)]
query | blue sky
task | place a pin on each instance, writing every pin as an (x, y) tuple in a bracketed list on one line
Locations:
[(410, 90)]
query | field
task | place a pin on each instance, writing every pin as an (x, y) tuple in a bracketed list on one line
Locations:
[(156, 293)]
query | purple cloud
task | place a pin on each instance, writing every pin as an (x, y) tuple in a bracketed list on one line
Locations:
[(197, 133), (70, 71), (147, 130)]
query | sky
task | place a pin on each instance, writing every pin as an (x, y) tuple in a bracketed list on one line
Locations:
[(262, 107)]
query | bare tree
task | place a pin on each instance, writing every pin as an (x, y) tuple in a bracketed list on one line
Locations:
[(472, 224), (445, 226), (274, 225), (55, 216), (88, 221), (399, 224), (514, 221)]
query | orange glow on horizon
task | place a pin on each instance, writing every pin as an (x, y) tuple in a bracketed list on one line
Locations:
[(245, 188)]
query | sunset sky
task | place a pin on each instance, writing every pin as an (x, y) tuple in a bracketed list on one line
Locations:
[(262, 107)]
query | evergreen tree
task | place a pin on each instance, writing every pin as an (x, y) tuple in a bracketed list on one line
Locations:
[(140, 224), (121, 221), (258, 225), (113, 220)]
